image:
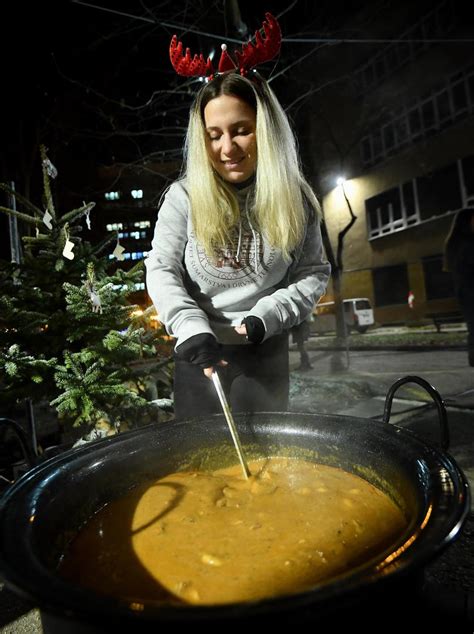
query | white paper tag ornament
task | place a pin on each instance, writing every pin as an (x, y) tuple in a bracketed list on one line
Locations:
[(47, 219), (50, 169), (68, 247), (88, 217), (117, 252)]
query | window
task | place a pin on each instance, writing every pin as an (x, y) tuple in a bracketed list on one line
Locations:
[(115, 226), (433, 113), (112, 195), (142, 224), (438, 283), (444, 191), (390, 285), (137, 193), (468, 180), (439, 192)]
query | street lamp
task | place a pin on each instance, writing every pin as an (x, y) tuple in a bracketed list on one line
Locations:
[(341, 180)]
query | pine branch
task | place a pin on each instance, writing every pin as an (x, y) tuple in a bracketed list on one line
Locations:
[(21, 216), (22, 199), (75, 214)]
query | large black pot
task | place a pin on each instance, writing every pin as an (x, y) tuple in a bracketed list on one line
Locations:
[(45, 508)]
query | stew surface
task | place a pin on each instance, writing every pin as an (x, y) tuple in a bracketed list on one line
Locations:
[(214, 538)]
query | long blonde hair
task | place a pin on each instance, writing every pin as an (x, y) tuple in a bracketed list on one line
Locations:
[(280, 187)]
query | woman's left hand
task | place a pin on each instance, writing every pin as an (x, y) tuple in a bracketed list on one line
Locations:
[(252, 328)]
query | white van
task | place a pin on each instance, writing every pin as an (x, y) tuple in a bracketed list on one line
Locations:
[(358, 315)]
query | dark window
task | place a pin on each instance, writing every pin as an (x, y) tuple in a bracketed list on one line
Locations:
[(444, 107), (459, 97), (390, 285), (438, 283), (428, 114), (415, 122), (376, 143), (468, 171), (388, 136), (366, 150), (373, 218), (439, 192), (401, 130), (471, 90), (408, 199)]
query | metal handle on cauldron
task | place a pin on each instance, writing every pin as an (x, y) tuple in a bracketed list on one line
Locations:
[(433, 392), (22, 438)]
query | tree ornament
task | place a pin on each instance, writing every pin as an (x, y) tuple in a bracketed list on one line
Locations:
[(118, 251), (68, 247), (50, 169), (47, 219), (90, 286), (88, 215)]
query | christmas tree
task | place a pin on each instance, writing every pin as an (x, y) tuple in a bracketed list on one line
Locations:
[(68, 332)]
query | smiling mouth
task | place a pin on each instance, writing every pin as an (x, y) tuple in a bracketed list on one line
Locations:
[(232, 164)]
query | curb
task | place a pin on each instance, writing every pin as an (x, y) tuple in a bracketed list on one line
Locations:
[(406, 348)]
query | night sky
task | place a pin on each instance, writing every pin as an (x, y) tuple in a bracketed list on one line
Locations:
[(92, 85)]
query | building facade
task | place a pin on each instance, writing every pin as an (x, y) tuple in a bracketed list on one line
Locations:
[(399, 127)]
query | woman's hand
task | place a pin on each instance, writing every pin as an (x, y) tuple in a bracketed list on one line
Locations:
[(202, 350), (208, 371), (252, 328)]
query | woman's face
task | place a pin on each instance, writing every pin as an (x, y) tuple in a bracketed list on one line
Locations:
[(231, 137)]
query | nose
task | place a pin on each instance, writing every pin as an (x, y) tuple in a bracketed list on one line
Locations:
[(228, 145)]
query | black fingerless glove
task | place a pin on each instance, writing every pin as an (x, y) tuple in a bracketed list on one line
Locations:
[(255, 329), (202, 350)]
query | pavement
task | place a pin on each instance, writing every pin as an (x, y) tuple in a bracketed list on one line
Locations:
[(356, 384)]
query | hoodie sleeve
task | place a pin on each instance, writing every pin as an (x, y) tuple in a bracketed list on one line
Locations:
[(165, 273), (305, 283)]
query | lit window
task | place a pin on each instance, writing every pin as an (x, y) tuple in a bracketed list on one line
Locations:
[(137, 193), (115, 226), (141, 224), (112, 195)]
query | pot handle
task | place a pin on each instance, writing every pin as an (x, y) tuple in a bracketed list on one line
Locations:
[(22, 438), (443, 417)]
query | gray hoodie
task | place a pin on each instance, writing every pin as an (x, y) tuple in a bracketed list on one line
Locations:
[(195, 295)]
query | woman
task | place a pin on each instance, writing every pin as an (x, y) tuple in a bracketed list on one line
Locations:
[(237, 257), (459, 259)]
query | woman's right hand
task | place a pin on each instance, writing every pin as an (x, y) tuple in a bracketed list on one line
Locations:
[(203, 350)]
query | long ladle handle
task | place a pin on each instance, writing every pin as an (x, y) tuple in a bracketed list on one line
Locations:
[(230, 421)]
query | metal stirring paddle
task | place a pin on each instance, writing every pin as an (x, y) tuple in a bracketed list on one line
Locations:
[(230, 421)]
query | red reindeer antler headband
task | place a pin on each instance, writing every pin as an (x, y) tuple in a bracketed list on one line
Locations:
[(263, 50)]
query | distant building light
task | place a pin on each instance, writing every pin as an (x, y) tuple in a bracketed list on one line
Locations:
[(137, 193), (115, 226), (142, 224), (112, 195)]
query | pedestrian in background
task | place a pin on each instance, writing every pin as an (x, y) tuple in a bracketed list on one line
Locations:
[(459, 260)]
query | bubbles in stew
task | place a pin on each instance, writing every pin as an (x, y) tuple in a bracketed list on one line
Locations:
[(216, 538)]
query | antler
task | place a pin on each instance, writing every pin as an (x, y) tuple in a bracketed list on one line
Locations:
[(264, 49), (251, 54), (186, 66)]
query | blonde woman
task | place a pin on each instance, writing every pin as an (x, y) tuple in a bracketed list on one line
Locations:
[(237, 258)]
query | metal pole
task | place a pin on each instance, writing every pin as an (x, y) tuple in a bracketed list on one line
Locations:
[(13, 228)]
